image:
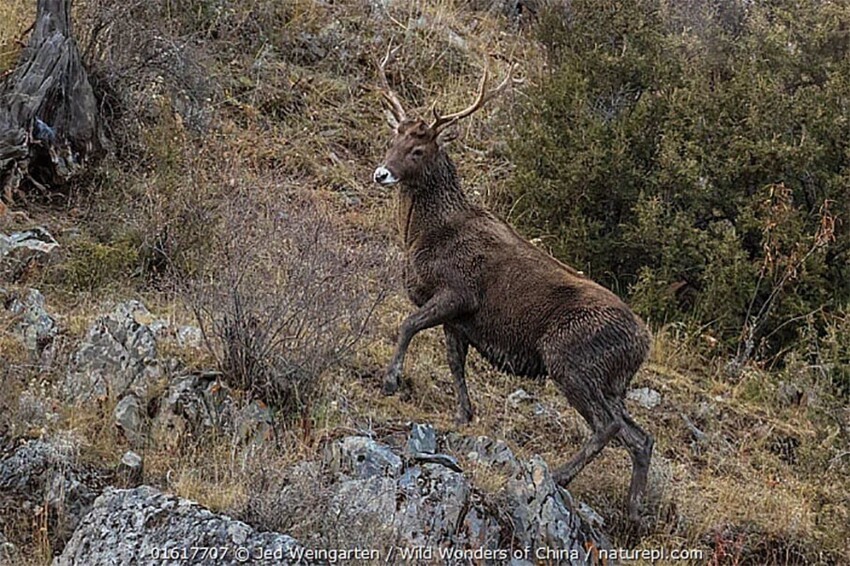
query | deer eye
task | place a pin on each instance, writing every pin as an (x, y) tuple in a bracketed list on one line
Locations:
[(417, 152)]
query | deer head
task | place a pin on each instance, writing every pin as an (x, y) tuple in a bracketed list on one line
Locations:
[(417, 146)]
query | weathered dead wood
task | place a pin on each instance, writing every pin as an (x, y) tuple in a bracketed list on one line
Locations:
[(50, 127)]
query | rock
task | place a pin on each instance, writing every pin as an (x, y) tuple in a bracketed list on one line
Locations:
[(179, 337), (190, 337), (118, 355), (130, 417), (590, 515), (254, 423), (34, 325), (429, 506), (41, 473), (423, 439), (541, 410), (25, 468), (544, 516), (433, 506), (22, 252), (130, 471), (128, 526), (646, 397), (518, 397), (198, 402), (365, 505), (480, 527), (194, 403), (362, 457), (485, 451), (444, 460)]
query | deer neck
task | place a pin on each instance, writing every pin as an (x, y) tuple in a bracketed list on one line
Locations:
[(428, 203)]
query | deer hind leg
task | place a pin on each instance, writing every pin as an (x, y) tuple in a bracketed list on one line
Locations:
[(639, 444), (603, 418), (456, 349), (591, 449)]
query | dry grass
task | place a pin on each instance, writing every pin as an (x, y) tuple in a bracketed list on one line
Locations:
[(735, 482), (15, 17)]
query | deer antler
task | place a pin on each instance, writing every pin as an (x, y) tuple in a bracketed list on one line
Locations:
[(389, 95), (442, 121)]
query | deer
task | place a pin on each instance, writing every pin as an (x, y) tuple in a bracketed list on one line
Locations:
[(489, 288)]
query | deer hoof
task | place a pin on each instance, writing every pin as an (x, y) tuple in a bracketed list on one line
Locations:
[(562, 478), (635, 510), (463, 417), (390, 386)]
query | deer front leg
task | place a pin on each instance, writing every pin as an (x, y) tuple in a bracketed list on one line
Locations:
[(457, 347), (439, 309)]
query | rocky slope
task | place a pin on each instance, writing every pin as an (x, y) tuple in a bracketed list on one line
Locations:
[(391, 496)]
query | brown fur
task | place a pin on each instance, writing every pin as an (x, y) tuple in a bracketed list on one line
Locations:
[(523, 310)]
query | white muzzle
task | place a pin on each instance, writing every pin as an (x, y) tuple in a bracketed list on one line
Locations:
[(384, 176)]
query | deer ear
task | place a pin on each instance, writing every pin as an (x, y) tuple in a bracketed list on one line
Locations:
[(447, 136)]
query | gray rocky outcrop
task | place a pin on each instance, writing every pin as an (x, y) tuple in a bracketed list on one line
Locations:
[(145, 526), (197, 402), (22, 252), (117, 356), (362, 457), (33, 324), (422, 440), (485, 451), (193, 402), (545, 516), (377, 496), (434, 505), (131, 419), (424, 491), (44, 476)]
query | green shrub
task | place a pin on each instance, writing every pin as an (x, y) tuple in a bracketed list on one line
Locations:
[(695, 157), (94, 265)]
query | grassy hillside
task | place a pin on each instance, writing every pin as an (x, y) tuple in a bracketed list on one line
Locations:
[(240, 127)]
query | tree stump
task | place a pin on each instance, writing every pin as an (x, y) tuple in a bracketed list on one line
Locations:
[(50, 126)]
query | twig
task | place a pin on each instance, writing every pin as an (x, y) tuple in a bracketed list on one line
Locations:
[(835, 459)]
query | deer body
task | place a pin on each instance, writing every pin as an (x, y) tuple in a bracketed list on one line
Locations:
[(524, 311), (513, 298)]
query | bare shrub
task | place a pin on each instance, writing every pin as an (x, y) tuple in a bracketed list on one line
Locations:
[(137, 54), (287, 296)]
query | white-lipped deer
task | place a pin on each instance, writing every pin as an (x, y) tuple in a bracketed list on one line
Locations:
[(489, 288)]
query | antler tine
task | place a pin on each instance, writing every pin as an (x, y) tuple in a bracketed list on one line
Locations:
[(443, 121), (389, 95)]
